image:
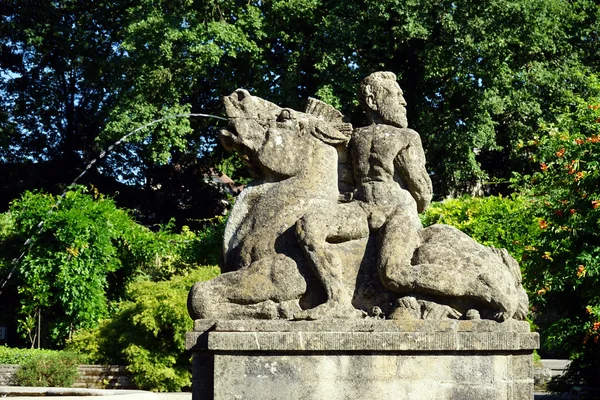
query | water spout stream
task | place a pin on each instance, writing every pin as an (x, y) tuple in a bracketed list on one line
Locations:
[(40, 226)]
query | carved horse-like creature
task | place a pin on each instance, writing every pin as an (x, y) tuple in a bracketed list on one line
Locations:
[(294, 155)]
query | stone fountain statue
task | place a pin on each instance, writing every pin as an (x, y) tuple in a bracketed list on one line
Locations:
[(293, 250), (327, 244)]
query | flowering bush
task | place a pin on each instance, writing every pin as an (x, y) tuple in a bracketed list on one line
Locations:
[(563, 269)]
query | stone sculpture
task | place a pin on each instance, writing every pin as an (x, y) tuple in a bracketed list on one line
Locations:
[(294, 248)]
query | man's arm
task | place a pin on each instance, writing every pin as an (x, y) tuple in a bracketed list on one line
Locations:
[(410, 163)]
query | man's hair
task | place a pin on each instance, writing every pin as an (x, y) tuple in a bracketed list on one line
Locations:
[(374, 84)]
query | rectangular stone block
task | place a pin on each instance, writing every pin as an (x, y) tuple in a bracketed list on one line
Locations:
[(522, 366), (377, 377), (365, 341), (366, 325), (378, 360)]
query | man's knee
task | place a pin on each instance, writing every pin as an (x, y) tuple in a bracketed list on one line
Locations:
[(310, 230)]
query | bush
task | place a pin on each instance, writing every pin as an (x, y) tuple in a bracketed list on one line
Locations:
[(564, 269), (55, 369), (502, 222), (11, 355), (79, 264), (148, 333)]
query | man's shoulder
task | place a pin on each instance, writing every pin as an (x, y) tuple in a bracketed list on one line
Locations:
[(387, 130)]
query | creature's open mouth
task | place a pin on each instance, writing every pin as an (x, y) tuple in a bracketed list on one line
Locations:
[(229, 137)]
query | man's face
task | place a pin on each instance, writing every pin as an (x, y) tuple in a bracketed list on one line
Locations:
[(391, 105)]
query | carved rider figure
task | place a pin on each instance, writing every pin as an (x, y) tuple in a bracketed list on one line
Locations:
[(388, 163), (391, 187)]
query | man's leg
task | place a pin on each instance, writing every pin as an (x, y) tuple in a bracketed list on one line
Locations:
[(316, 231)]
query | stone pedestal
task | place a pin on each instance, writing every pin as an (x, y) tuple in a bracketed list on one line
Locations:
[(366, 359)]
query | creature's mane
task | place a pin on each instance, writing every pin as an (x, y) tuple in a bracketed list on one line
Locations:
[(326, 112)]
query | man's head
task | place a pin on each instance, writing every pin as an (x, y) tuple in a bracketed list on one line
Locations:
[(383, 100)]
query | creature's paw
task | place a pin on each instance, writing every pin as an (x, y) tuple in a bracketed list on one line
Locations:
[(407, 307), (473, 314), (433, 310), (287, 309)]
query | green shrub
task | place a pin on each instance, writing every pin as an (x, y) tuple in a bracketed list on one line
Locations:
[(503, 222), (147, 333), (56, 369), (564, 269), (79, 264), (11, 355)]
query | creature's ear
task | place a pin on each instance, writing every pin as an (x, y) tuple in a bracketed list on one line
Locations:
[(327, 133)]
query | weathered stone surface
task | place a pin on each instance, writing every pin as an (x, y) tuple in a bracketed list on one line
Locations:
[(365, 325), (370, 341), (367, 377), (357, 359), (296, 248), (332, 289), (356, 336)]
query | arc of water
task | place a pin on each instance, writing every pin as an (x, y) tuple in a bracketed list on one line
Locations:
[(40, 226)]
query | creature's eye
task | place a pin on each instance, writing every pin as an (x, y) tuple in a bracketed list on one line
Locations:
[(284, 115)]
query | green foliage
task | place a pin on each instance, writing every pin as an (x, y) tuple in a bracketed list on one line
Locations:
[(476, 75), (564, 269), (66, 271), (87, 252), (148, 333), (56, 369), (11, 355), (503, 222)]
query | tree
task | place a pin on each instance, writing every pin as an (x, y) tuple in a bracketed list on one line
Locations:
[(478, 77), (70, 88), (81, 259), (563, 269)]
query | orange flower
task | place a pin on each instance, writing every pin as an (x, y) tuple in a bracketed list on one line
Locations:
[(543, 224), (572, 211), (581, 271), (596, 326), (544, 167), (541, 291), (595, 204), (560, 153), (579, 176), (579, 141)]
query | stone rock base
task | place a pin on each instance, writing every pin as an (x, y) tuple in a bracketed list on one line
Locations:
[(370, 359)]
